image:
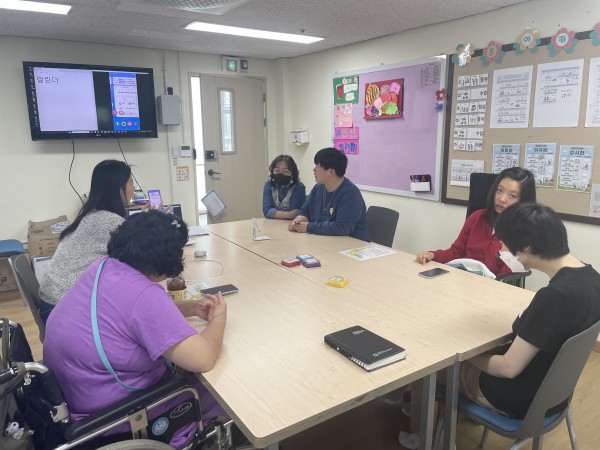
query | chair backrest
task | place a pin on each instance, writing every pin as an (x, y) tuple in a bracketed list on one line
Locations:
[(479, 188), (561, 379), (29, 289), (382, 224)]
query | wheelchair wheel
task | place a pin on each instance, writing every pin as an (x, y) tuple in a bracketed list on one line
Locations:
[(137, 444)]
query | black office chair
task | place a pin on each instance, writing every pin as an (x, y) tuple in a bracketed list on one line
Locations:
[(42, 408), (382, 224), (479, 188), (556, 389), (29, 288)]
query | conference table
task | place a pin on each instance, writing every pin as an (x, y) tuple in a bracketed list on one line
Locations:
[(276, 377)]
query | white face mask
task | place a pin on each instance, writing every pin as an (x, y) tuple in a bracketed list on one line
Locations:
[(511, 261)]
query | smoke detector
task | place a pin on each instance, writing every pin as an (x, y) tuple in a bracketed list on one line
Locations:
[(216, 7)]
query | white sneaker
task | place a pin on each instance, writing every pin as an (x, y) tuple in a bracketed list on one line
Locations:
[(408, 440)]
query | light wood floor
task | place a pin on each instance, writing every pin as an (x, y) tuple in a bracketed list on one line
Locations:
[(375, 425)]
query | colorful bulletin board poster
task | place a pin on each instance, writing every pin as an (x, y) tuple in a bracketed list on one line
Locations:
[(383, 99), (575, 168), (346, 140), (388, 152), (345, 90), (539, 159), (343, 115), (505, 156), (346, 133), (347, 146)]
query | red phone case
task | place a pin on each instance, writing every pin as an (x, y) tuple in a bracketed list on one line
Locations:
[(291, 262)]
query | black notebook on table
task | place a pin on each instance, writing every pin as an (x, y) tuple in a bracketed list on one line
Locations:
[(369, 350)]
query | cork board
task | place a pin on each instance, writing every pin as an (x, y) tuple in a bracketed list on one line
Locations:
[(573, 205)]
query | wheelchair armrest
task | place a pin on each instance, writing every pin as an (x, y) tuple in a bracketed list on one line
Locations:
[(125, 407), (511, 277)]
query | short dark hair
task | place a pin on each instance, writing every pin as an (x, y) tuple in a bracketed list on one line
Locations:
[(526, 182), (332, 158), (151, 242), (109, 178), (533, 226), (291, 165)]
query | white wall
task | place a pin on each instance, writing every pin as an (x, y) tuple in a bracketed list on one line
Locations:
[(424, 224), (34, 175)]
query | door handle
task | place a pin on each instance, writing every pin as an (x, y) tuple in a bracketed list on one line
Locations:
[(212, 172)]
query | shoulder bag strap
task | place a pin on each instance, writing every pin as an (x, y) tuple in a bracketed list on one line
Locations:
[(96, 333)]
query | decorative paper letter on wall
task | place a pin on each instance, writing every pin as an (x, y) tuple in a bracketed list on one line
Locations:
[(383, 99), (348, 146)]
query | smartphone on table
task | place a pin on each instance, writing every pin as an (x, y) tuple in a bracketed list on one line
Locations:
[(432, 273), (155, 198), (225, 289)]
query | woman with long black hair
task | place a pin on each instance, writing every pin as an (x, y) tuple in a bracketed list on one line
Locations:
[(85, 240)]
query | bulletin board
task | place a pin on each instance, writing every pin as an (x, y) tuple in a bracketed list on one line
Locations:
[(404, 137), (543, 97)]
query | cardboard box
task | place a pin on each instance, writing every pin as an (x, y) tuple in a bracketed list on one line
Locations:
[(42, 237), (7, 279)]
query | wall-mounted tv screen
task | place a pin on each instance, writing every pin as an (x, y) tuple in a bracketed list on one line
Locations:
[(86, 101)]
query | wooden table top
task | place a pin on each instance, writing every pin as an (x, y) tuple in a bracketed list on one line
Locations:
[(276, 376), (478, 308)]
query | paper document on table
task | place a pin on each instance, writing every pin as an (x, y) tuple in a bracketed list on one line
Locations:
[(473, 266), (194, 291), (369, 252), (196, 230)]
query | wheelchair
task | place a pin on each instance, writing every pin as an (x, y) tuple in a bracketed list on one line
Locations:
[(34, 410)]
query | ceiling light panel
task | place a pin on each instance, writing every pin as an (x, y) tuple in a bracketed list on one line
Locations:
[(248, 32), (22, 5)]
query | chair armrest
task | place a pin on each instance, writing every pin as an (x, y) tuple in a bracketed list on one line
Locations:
[(512, 277), (125, 407)]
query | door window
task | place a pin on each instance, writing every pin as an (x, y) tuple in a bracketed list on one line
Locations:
[(227, 120)]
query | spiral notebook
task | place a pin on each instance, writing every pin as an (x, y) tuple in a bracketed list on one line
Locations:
[(365, 348)]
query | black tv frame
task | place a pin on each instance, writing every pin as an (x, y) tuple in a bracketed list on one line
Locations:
[(146, 99)]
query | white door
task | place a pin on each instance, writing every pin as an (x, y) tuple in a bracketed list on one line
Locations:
[(235, 151)]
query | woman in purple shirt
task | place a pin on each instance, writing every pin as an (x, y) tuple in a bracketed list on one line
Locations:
[(139, 326)]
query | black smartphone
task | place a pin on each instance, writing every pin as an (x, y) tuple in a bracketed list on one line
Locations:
[(225, 289), (432, 273)]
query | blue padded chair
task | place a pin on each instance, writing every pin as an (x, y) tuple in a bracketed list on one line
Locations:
[(556, 388), (9, 248)]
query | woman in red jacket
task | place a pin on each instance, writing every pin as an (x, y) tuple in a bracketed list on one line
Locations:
[(477, 239)]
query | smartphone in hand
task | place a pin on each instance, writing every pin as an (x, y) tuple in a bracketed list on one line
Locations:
[(155, 198)]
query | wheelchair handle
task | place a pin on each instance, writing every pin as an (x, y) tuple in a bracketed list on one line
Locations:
[(35, 367), (10, 373)]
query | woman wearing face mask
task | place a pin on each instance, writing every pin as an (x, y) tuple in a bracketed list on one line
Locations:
[(284, 193), (477, 239)]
